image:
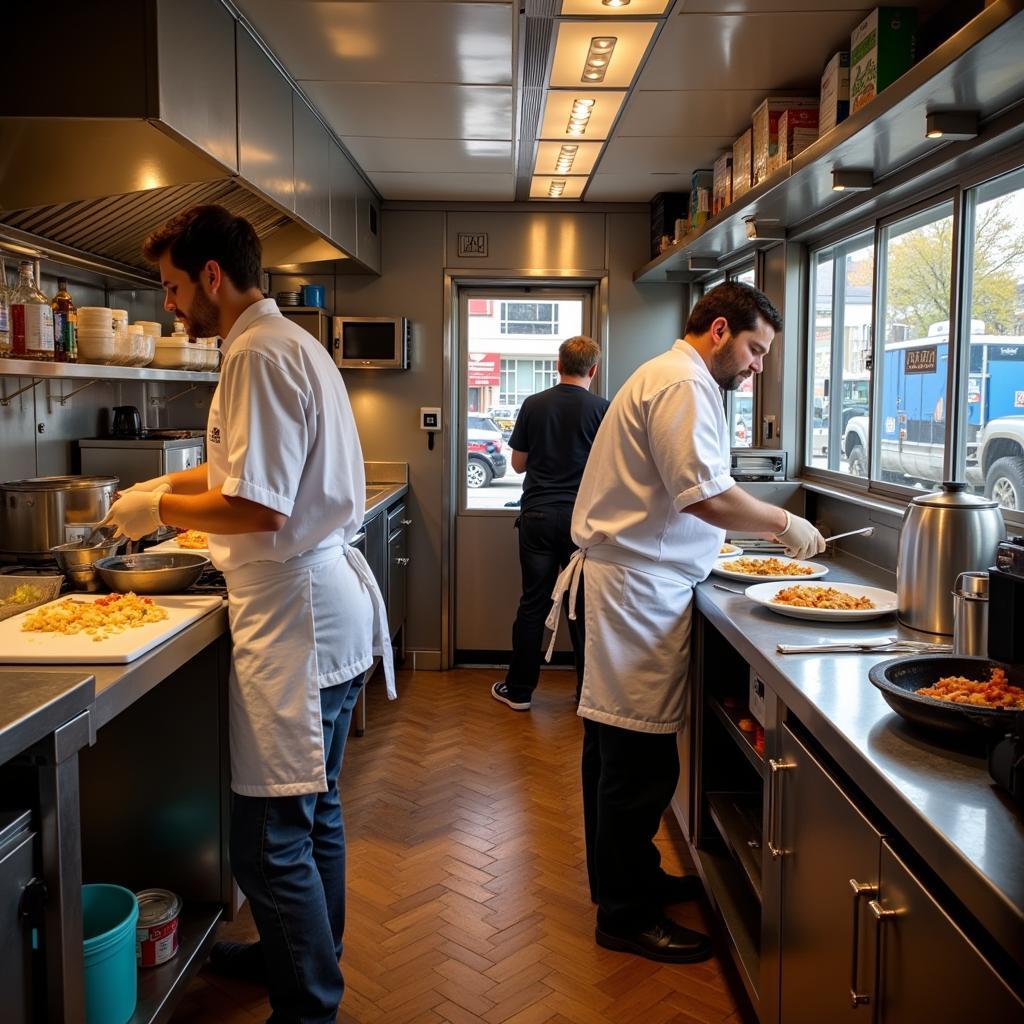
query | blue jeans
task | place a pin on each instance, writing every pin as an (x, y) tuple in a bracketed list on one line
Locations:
[(288, 855)]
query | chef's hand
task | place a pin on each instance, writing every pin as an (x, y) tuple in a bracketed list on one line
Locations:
[(800, 538), (137, 514), (148, 485)]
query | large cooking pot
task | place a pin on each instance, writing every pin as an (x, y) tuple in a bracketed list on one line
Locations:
[(34, 512), (943, 534)]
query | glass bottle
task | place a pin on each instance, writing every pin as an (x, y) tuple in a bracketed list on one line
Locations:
[(31, 318), (5, 312), (65, 324)]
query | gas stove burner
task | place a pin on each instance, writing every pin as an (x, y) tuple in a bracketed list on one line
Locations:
[(210, 582)]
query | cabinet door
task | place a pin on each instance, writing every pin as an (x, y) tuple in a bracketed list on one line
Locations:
[(368, 226), (825, 842), (312, 167), (345, 182), (398, 559), (376, 544), (929, 970)]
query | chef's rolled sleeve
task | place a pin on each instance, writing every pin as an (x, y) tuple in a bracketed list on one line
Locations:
[(267, 434)]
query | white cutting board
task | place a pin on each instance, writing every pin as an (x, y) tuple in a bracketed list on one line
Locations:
[(20, 648), (174, 546)]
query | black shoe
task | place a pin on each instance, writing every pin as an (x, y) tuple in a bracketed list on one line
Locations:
[(242, 960), (499, 691), (665, 941), (678, 889)]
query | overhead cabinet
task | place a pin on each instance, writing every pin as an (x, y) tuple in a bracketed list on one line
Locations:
[(345, 185), (312, 166)]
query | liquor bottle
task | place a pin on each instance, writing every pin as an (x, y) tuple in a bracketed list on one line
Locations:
[(31, 318), (65, 324), (5, 312)]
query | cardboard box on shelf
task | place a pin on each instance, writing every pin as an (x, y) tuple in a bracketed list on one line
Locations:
[(742, 152), (721, 186), (700, 197), (765, 127), (666, 209), (797, 130), (881, 49), (835, 92)]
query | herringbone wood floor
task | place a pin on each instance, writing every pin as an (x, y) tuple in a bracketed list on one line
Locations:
[(467, 892)]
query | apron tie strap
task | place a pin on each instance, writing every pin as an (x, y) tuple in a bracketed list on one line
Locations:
[(568, 580), (381, 639)]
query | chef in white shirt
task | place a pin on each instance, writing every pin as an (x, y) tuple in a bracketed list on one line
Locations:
[(651, 514), (282, 495)]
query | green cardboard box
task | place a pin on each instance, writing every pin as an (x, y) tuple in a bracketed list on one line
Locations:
[(881, 49)]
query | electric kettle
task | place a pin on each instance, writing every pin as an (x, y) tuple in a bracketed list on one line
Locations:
[(126, 423), (943, 534)]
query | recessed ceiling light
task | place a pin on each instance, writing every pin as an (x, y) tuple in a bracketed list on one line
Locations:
[(556, 188), (581, 111), (852, 181), (599, 56), (615, 3), (951, 125)]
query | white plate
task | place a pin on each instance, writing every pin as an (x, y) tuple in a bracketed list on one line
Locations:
[(173, 545), (722, 568), (885, 602), (729, 550)]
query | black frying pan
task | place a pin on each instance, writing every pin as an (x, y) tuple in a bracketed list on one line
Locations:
[(899, 678)]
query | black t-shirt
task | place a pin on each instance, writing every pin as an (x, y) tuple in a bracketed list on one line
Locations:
[(556, 429)]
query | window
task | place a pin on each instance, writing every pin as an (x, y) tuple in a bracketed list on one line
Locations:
[(520, 378), (840, 376), (529, 318), (916, 256), (747, 276), (991, 414)]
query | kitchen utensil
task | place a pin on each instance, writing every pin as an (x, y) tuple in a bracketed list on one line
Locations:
[(721, 568), (942, 535), (728, 590), (970, 614), (164, 573), (78, 562), (866, 531), (101, 533), (288, 298), (314, 295), (35, 511), (37, 589), (127, 422), (899, 679), (884, 601), (886, 644)]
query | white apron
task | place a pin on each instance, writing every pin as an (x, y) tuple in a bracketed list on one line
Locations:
[(287, 620), (637, 615)]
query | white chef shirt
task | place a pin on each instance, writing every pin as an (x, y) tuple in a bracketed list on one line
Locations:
[(663, 445), (281, 433)]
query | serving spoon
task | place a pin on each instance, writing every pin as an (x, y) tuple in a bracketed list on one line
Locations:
[(865, 531)]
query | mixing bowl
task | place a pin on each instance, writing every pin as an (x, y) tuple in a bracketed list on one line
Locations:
[(162, 573), (78, 562)]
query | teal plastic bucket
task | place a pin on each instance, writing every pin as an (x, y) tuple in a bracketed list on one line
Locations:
[(109, 915)]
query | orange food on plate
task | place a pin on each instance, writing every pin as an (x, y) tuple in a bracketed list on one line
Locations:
[(802, 596), (768, 567), (192, 539), (995, 692)]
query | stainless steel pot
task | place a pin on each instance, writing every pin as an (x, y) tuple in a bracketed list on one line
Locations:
[(34, 512), (943, 534)]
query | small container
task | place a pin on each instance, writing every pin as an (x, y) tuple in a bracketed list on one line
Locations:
[(96, 346), (173, 354), (970, 614), (314, 295), (156, 933)]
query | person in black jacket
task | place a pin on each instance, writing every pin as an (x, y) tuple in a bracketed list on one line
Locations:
[(550, 441)]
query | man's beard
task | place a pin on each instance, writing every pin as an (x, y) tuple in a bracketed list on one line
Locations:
[(727, 374), (203, 319)]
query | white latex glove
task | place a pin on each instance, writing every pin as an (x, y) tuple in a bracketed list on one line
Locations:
[(137, 515), (800, 537), (148, 485)]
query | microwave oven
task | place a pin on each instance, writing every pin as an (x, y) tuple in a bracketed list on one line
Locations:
[(371, 342)]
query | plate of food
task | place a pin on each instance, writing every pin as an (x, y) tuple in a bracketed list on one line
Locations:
[(760, 569), (187, 540), (729, 550), (839, 602)]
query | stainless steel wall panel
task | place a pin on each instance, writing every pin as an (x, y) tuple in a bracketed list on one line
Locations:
[(345, 182), (369, 226), (196, 74), (265, 155), (312, 167)]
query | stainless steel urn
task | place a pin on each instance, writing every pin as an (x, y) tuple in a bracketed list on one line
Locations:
[(942, 535)]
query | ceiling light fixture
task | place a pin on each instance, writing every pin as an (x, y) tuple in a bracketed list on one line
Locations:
[(615, 3), (702, 263), (758, 231), (852, 181), (951, 125), (566, 156), (598, 58), (556, 188), (580, 115)]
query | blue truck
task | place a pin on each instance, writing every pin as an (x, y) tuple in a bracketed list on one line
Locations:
[(913, 414)]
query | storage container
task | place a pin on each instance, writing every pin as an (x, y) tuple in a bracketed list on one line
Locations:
[(109, 916), (172, 354), (834, 105), (741, 164), (881, 49), (96, 346), (765, 131), (721, 185)]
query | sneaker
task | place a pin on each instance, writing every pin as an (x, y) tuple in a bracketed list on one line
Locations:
[(499, 691)]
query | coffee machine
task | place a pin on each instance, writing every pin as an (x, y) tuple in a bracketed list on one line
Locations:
[(1006, 645)]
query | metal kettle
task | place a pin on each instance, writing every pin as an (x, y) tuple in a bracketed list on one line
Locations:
[(943, 534)]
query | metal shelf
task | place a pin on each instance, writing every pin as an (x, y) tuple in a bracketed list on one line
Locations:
[(97, 371), (978, 69), (737, 816), (743, 740)]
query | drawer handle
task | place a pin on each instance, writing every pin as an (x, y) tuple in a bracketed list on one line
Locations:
[(775, 767), (405, 522), (401, 561), (881, 914), (859, 889)]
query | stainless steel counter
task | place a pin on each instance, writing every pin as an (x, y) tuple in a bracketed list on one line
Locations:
[(942, 802), (35, 703), (379, 495)]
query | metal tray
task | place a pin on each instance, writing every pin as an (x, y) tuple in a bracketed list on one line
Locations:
[(48, 587), (899, 678)]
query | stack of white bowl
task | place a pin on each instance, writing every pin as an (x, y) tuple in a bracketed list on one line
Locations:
[(122, 343), (95, 335)]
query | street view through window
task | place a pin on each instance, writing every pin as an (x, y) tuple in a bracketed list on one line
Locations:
[(511, 353)]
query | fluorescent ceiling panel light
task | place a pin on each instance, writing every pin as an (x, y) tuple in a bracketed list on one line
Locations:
[(571, 187), (576, 44), (852, 181), (599, 58), (549, 153), (600, 9), (951, 125), (567, 118)]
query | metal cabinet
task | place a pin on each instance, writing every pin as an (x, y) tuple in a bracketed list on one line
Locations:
[(312, 167), (398, 561), (345, 182), (376, 530), (368, 226)]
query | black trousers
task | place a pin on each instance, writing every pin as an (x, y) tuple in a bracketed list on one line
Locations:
[(628, 781), (545, 545)]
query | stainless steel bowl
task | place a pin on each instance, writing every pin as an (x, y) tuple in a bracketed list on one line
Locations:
[(160, 573), (78, 562)]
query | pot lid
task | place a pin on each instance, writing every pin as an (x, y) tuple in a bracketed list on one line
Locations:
[(58, 483), (955, 495)]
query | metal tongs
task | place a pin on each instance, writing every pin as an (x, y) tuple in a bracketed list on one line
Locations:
[(101, 533), (886, 645)]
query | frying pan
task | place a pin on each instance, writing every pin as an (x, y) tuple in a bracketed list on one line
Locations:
[(899, 678)]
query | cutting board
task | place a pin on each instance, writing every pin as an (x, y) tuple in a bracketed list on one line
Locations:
[(20, 648), (173, 546)]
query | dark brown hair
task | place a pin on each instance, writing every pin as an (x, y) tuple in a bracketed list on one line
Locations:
[(205, 233), (741, 304), (577, 355)]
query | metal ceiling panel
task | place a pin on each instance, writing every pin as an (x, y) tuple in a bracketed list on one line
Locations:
[(427, 156), (406, 111), (496, 188), (769, 6), (636, 187), (465, 43), (662, 154), (683, 113)]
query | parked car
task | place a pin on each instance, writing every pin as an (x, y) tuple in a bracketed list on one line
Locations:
[(504, 416), (485, 457)]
